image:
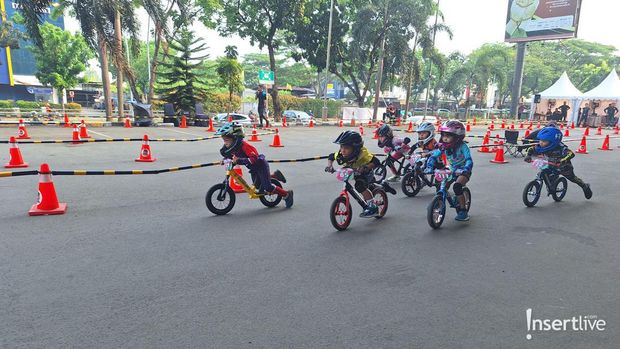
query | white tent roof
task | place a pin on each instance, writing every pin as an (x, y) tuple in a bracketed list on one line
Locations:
[(608, 89), (563, 88)]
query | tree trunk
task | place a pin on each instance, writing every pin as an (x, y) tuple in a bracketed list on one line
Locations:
[(277, 108), (154, 62), (119, 64), (105, 77), (410, 75)]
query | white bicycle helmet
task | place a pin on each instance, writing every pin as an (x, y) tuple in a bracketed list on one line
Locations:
[(426, 127)]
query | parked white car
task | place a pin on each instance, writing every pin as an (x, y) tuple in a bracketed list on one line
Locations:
[(296, 116), (418, 119), (236, 117)]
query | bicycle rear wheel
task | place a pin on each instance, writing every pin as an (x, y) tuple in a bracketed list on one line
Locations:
[(559, 189), (381, 200), (411, 184)]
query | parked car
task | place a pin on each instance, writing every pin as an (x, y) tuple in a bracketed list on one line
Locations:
[(418, 119), (296, 116), (236, 117)]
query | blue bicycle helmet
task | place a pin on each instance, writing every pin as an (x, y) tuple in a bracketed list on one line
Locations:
[(552, 135), (234, 131)]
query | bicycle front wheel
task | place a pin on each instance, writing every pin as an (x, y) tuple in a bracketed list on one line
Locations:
[(436, 212), (340, 213)]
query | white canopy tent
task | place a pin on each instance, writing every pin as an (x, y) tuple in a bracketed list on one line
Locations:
[(607, 91), (562, 89)]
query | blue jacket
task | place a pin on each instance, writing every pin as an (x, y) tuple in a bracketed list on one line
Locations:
[(459, 158)]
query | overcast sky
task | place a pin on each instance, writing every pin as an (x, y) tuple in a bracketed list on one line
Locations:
[(473, 22)]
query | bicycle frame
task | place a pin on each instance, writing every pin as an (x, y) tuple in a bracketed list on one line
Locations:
[(347, 189), (401, 163), (417, 168), (546, 176), (443, 190), (249, 189)]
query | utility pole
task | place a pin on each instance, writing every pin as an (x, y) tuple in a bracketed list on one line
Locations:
[(430, 60), (381, 59), (518, 79), (329, 46)]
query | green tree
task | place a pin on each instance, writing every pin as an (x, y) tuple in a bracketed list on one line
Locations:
[(260, 22), (230, 73), (62, 57), (182, 82), (360, 27)]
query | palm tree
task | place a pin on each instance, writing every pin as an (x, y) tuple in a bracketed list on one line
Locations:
[(423, 41), (101, 22), (480, 69)]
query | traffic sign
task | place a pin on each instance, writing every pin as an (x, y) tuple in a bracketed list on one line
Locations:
[(265, 77)]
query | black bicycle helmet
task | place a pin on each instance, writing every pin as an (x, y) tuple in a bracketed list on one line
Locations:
[(353, 139), (385, 131)]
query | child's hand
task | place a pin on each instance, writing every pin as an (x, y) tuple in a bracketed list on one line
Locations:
[(234, 159), (330, 169)]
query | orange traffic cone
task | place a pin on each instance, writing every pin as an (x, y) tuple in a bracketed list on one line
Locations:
[(236, 187), (254, 137), (398, 122), (503, 124), (145, 151), (369, 123), (410, 128), (492, 126), (361, 130), (127, 122), (572, 125), (210, 129), (496, 143), (230, 118), (538, 125), (352, 122), (468, 127), (499, 155), (616, 130), (15, 156), (567, 132), (67, 121), (276, 140), (183, 122), (606, 144), (521, 126), (48, 201), (586, 132), (340, 123), (583, 149), (527, 133), (599, 131), (376, 134), (83, 130), (485, 145), (512, 126), (311, 123), (284, 124), (22, 132), (474, 121), (76, 135)]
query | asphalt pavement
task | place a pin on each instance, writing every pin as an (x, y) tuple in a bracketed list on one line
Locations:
[(139, 261)]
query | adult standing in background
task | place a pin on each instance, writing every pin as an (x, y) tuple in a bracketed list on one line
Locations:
[(564, 108), (611, 112), (261, 96), (583, 118)]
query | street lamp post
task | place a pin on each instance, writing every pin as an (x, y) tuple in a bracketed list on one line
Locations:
[(329, 46)]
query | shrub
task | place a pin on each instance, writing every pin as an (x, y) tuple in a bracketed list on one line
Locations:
[(218, 103), (308, 105), (6, 104), (28, 105), (73, 106)]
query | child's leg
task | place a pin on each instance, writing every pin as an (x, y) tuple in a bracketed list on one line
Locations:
[(567, 171), (458, 190), (261, 170), (361, 186)]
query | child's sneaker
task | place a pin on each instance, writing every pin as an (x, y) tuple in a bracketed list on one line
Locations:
[(288, 200), (279, 176), (462, 216), (587, 191), (371, 211), (394, 178), (386, 186)]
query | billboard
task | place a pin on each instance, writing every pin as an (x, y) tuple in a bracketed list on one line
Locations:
[(530, 20)]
